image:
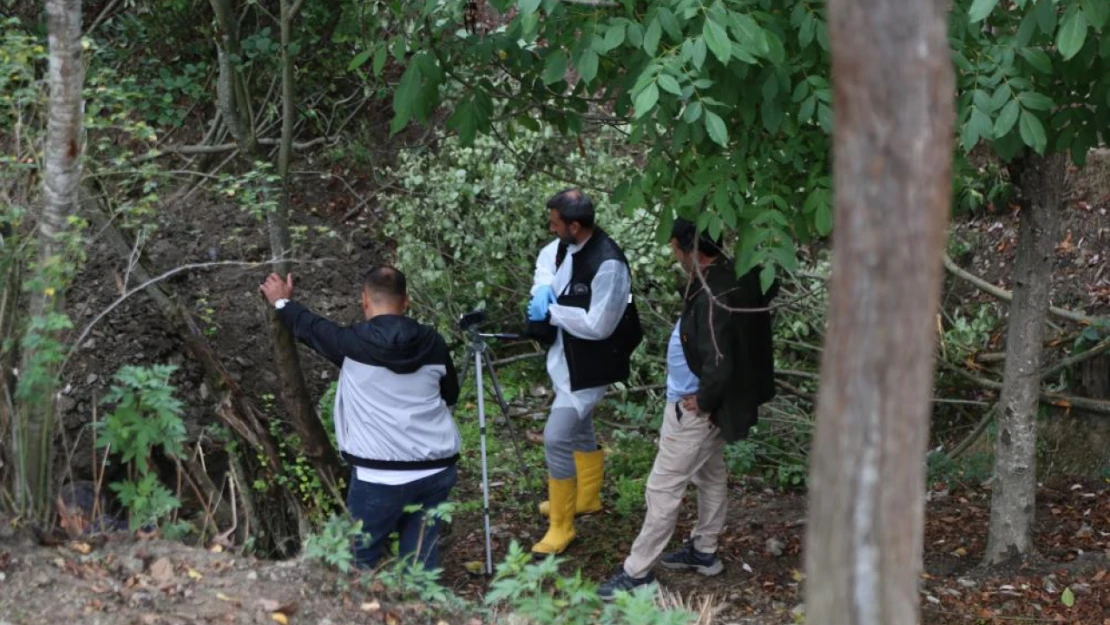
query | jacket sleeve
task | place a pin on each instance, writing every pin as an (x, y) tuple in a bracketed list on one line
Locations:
[(609, 293), (544, 273), (714, 344), (327, 338), (449, 383)]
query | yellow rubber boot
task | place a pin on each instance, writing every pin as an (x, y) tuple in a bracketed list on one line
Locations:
[(590, 467), (562, 495)]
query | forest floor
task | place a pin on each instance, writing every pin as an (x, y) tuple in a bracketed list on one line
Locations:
[(124, 580)]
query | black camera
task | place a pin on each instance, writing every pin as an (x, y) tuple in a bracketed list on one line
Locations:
[(472, 319)]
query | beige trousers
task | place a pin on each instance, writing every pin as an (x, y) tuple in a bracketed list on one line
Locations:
[(690, 449)]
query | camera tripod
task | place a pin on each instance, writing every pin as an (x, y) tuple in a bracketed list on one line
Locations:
[(476, 355)]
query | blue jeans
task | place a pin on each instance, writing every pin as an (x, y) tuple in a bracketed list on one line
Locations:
[(381, 508)]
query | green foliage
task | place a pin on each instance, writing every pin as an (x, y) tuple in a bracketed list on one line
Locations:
[(1036, 78), (146, 416), (629, 495), (750, 161), (969, 332), (540, 593), (332, 544), (257, 190), (297, 475)]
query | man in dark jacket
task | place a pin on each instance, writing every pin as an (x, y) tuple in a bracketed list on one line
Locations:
[(392, 412), (720, 368)]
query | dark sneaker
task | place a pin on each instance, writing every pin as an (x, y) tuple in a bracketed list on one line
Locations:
[(622, 581), (690, 558)]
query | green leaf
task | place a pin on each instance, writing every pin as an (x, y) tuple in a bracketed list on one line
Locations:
[(1097, 11), (1073, 33), (700, 50), (718, 40), (750, 34), (404, 98), (980, 9), (808, 107), (1038, 59), (822, 219), (825, 118), (1045, 10), (380, 57), (715, 126), (981, 123), (1032, 132), (555, 67), (614, 36), (1067, 597), (528, 7), (766, 277), (1035, 101), (772, 116), (1007, 118), (669, 84), (587, 65), (651, 37), (692, 112), (646, 100), (359, 60)]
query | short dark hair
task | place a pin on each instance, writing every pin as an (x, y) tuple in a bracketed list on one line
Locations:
[(573, 205), (683, 232), (385, 282)]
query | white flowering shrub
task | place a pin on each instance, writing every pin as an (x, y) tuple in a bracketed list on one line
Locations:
[(468, 223)]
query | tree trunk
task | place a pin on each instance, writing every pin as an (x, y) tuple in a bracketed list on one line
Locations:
[(62, 163), (1013, 496), (893, 86), (294, 393), (235, 105)]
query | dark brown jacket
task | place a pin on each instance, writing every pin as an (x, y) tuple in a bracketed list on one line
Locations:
[(730, 352)]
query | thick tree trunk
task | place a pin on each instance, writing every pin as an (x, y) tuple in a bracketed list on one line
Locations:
[(62, 163), (1013, 496), (893, 86)]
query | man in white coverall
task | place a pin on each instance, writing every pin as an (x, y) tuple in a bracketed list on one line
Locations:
[(587, 308)]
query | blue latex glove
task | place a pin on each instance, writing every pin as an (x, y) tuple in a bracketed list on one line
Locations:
[(537, 308)]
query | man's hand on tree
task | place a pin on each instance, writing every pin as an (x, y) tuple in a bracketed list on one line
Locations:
[(274, 288)]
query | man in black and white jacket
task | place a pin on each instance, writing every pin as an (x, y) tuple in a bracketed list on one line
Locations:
[(392, 412)]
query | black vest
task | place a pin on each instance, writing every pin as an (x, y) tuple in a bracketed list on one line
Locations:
[(594, 363)]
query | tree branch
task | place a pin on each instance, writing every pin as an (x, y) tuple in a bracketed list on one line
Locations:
[(1005, 295), (227, 147)]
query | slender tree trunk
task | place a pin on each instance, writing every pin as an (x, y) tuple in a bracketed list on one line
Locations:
[(893, 85), (294, 393), (1013, 496), (62, 176), (235, 105)]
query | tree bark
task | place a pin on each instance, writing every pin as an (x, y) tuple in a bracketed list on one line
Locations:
[(893, 88), (62, 164), (1013, 496)]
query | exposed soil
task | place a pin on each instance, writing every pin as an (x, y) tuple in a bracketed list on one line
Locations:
[(125, 580)]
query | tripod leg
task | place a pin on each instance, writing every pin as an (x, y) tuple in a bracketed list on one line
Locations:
[(485, 470), (512, 432), (466, 364)]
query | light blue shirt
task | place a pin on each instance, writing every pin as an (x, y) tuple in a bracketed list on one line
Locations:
[(680, 380)]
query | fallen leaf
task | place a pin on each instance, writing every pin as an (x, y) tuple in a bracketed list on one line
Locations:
[(194, 575), (217, 548), (288, 609), (372, 606), (161, 570), (280, 618), (1067, 597), (475, 567), (80, 547), (222, 597), (1098, 576)]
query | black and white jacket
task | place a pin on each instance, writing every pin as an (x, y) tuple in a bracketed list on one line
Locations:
[(396, 383)]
